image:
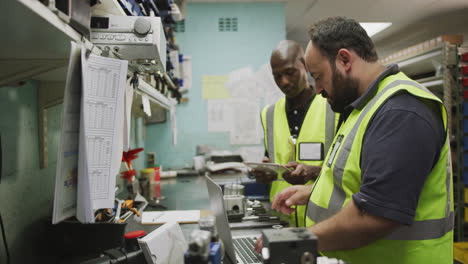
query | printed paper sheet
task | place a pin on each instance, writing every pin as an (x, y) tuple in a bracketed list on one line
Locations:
[(65, 201), (101, 129)]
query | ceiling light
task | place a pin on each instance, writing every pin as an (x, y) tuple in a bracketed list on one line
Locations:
[(374, 28)]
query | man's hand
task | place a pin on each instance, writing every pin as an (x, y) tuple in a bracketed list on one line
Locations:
[(301, 174), (262, 176), (293, 195), (259, 245)]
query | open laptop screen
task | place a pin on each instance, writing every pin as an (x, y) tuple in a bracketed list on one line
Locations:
[(222, 225)]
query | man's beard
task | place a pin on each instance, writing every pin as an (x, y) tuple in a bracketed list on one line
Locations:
[(344, 91)]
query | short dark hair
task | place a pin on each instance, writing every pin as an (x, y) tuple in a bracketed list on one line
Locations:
[(332, 34)]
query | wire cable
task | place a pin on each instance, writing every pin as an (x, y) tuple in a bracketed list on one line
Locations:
[(4, 239)]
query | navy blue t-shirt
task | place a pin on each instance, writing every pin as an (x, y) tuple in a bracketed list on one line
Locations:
[(400, 147)]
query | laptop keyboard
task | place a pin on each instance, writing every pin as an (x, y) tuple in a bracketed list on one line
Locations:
[(244, 248)]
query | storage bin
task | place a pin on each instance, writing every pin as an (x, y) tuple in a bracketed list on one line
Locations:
[(460, 251)]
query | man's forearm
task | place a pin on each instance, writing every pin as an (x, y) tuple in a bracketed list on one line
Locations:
[(350, 228)]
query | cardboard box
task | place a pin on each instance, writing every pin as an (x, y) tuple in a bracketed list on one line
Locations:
[(452, 39)]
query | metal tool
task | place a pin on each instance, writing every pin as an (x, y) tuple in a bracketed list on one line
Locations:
[(261, 218), (117, 211)]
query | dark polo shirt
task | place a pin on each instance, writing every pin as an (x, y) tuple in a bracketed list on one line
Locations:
[(400, 147)]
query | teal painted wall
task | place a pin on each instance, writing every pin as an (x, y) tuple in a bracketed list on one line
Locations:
[(26, 191), (260, 27)]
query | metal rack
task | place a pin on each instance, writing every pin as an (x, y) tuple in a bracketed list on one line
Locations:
[(459, 136), (39, 47), (462, 111)]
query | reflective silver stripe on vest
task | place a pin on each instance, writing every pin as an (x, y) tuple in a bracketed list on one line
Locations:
[(329, 127), (422, 230), (318, 214), (447, 181), (269, 132)]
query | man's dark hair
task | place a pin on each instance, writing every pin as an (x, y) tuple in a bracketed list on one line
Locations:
[(332, 34)]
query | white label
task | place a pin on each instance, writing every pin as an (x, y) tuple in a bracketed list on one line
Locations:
[(335, 149), (310, 151), (146, 104)]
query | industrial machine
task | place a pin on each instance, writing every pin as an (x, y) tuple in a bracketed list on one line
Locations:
[(204, 244), (292, 245), (140, 40)]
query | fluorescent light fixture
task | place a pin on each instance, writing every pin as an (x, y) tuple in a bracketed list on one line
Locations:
[(374, 28)]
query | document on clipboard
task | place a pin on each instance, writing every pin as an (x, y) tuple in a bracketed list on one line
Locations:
[(268, 167)]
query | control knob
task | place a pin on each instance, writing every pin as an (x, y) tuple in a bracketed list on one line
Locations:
[(142, 27)]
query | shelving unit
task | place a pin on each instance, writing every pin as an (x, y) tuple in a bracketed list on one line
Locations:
[(38, 48), (434, 64), (155, 96), (108, 7), (463, 111), (459, 168), (463, 84), (38, 44)]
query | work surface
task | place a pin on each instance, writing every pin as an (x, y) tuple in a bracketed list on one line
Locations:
[(189, 193)]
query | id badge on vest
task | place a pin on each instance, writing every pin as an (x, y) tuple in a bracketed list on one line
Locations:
[(334, 150), (310, 151)]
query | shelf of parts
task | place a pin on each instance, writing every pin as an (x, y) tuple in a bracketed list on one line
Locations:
[(36, 42), (459, 195)]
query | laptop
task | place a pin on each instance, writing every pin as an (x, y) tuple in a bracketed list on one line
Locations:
[(239, 249)]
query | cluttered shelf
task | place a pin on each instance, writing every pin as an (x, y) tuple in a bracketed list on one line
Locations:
[(432, 64), (39, 47), (426, 56)]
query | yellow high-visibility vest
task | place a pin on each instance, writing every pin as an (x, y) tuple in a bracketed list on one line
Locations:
[(318, 127), (430, 238)]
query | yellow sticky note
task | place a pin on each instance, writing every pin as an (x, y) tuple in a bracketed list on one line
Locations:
[(213, 87)]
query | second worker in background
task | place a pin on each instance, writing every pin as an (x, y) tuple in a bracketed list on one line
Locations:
[(299, 128)]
